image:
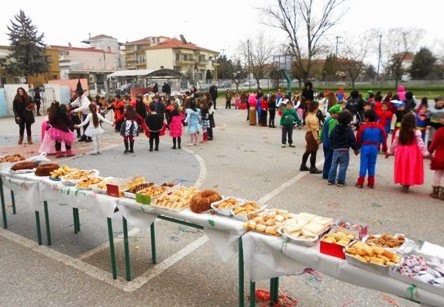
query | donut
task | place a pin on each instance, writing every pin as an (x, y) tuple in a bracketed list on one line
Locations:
[(45, 169), (201, 202)]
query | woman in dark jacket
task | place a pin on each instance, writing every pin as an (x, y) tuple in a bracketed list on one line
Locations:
[(23, 111)]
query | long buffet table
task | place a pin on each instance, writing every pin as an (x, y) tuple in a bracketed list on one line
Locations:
[(265, 257)]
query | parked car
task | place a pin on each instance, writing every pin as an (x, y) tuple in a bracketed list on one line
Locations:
[(224, 84), (126, 88), (250, 83)]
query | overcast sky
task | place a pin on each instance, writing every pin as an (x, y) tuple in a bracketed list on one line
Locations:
[(216, 25)]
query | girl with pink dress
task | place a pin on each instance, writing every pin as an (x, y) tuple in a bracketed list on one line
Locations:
[(409, 150), (175, 125)]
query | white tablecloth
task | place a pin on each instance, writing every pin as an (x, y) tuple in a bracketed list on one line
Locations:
[(267, 257), (57, 192), (25, 187), (222, 231), (33, 190)]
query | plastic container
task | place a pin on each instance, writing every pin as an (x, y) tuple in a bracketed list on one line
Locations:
[(334, 249), (226, 211), (360, 232)]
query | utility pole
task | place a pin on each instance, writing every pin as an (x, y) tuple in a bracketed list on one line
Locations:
[(249, 66), (380, 53), (337, 44)]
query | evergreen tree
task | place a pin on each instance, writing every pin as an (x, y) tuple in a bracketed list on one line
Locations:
[(422, 64), (28, 56), (330, 68)]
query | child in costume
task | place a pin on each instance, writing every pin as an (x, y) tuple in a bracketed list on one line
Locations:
[(94, 129), (129, 128), (193, 122), (342, 138), (289, 116), (328, 126), (370, 137), (61, 130), (175, 125), (154, 122), (384, 117), (205, 120), (437, 165), (409, 150), (422, 121)]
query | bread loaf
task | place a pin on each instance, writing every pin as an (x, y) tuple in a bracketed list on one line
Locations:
[(24, 165), (45, 169)]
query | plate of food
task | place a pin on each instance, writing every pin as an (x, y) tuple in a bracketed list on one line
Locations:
[(86, 182), (63, 170), (247, 210), (268, 221), (226, 205), (177, 199), (372, 257), (23, 167), (73, 178), (101, 186), (12, 158), (131, 192)]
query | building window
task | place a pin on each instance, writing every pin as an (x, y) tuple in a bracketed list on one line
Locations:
[(177, 57)]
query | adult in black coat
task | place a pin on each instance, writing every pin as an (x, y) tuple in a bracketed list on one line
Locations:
[(213, 94), (166, 88), (23, 108)]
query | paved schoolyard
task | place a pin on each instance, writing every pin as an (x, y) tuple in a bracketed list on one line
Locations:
[(242, 161)]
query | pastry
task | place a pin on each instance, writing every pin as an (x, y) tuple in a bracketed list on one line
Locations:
[(202, 201), (12, 158)]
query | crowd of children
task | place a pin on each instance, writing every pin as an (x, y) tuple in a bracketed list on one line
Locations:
[(338, 121), (341, 122)]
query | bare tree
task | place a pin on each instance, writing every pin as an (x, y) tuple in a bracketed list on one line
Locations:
[(398, 44), (258, 54), (355, 51), (306, 23)]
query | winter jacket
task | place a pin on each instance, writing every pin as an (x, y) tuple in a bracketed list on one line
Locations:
[(342, 136)]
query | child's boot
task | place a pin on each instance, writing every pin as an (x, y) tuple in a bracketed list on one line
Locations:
[(360, 183), (435, 192), (69, 153), (131, 143), (30, 140), (59, 154), (178, 142), (441, 193), (371, 182), (126, 146), (174, 143)]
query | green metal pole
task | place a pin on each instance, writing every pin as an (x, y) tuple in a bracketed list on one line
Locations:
[(13, 202), (48, 229), (39, 230), (153, 243), (274, 290), (2, 196), (78, 219), (126, 248), (74, 216), (252, 293), (271, 290), (74, 219), (111, 248), (241, 274)]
